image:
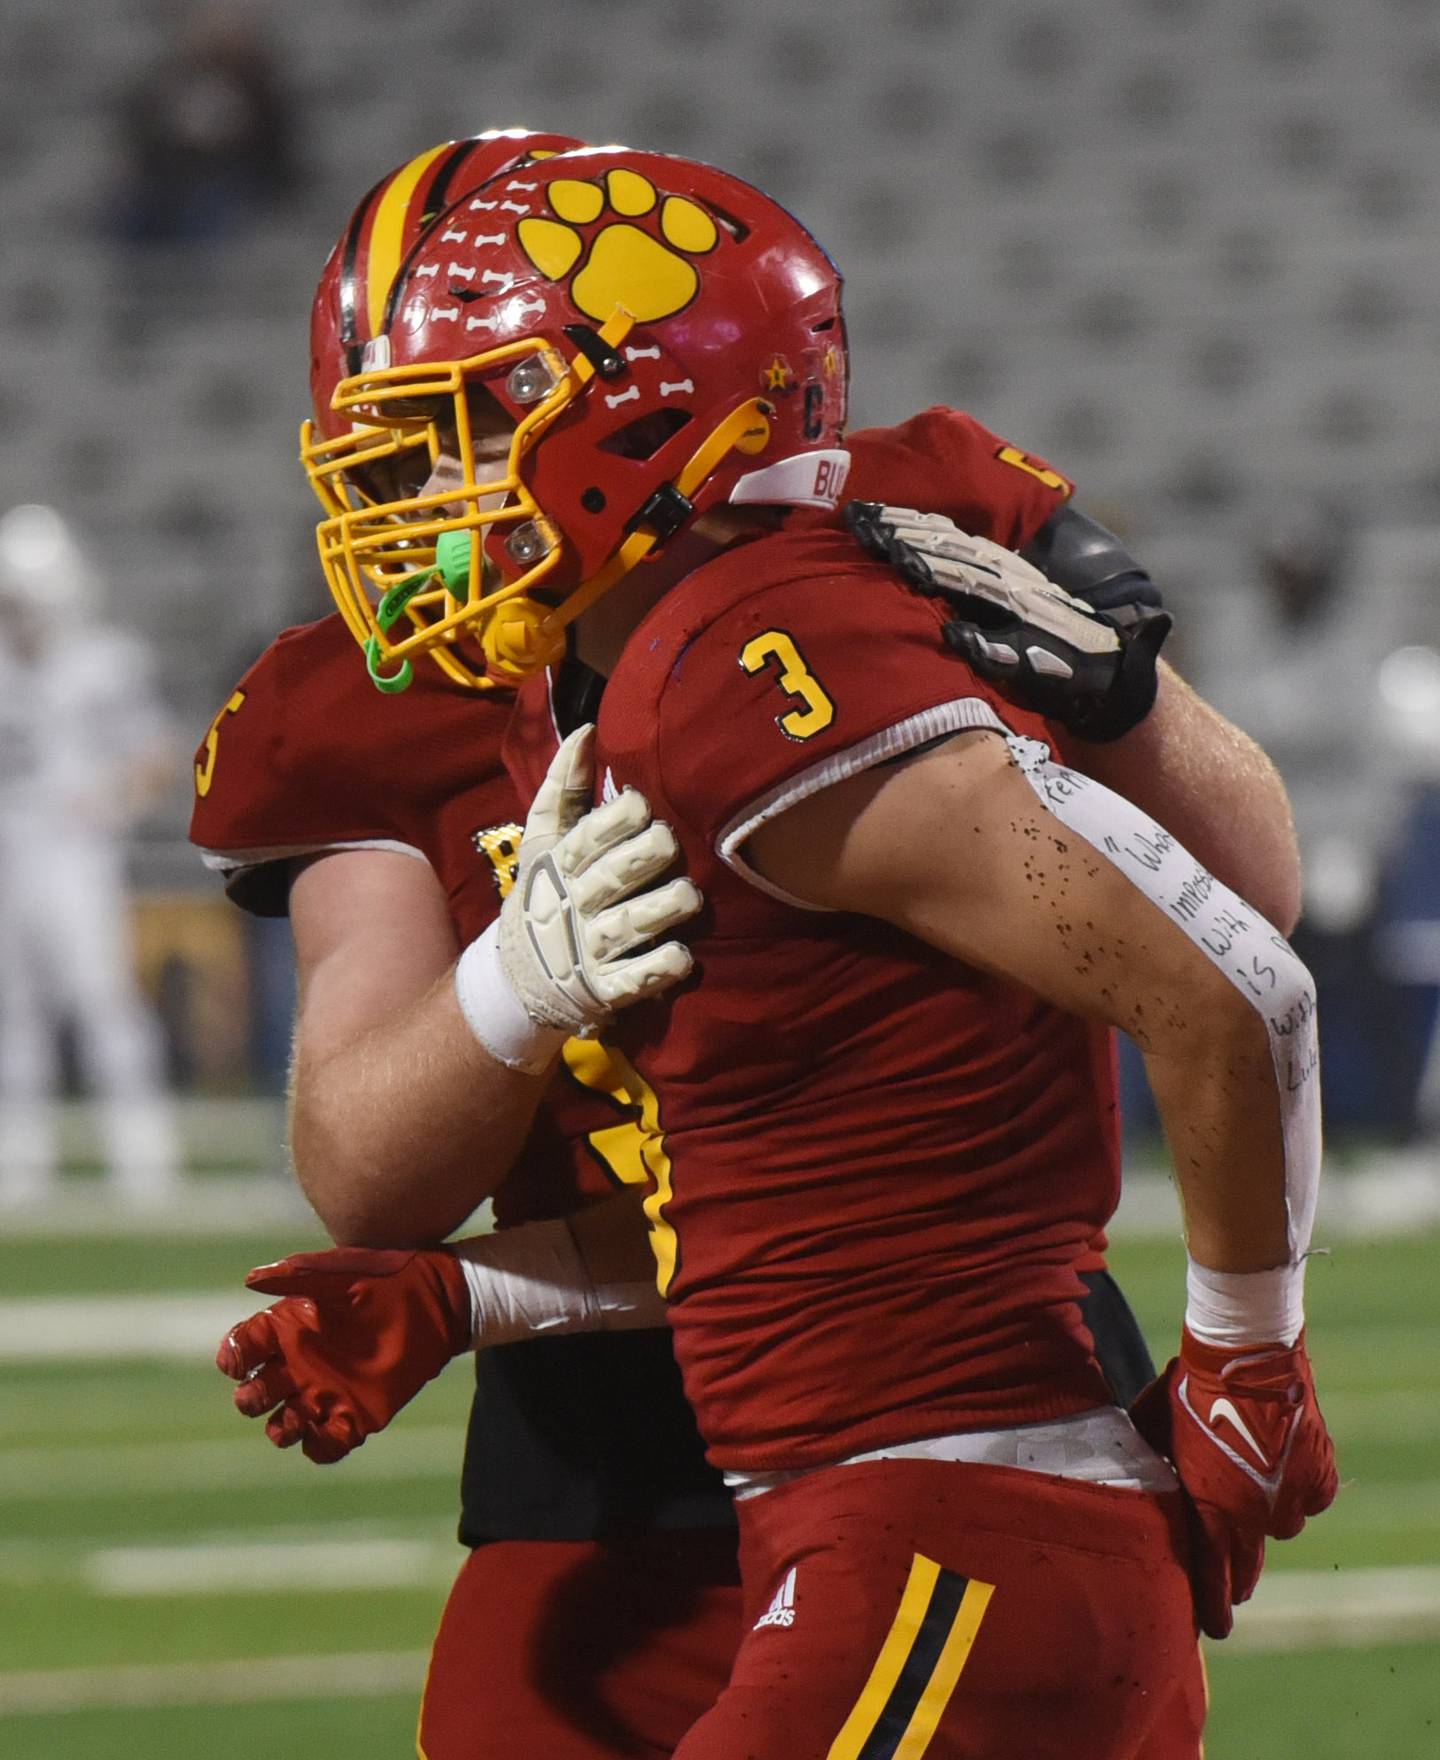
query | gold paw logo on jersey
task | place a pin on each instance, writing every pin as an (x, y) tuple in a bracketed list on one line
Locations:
[(500, 845), (614, 261)]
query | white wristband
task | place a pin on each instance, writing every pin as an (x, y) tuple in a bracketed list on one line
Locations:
[(1233, 1308), (496, 1015), (531, 1282)]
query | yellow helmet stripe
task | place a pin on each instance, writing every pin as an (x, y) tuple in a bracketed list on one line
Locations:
[(387, 235)]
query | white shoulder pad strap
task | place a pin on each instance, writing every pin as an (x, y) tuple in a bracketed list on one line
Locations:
[(1251, 952)]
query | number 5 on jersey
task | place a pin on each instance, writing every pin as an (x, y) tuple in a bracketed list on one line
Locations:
[(796, 680), (205, 757)]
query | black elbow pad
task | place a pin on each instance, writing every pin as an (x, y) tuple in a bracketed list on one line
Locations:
[(1079, 554)]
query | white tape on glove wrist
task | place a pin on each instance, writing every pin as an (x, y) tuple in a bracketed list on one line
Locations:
[(531, 1282), (1238, 1308), (496, 1015)]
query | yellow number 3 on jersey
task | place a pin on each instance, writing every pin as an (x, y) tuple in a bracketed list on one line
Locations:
[(796, 680)]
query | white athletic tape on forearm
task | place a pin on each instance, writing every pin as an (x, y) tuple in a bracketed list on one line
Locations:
[(1234, 1308), (531, 1282), (496, 1015), (1237, 940)]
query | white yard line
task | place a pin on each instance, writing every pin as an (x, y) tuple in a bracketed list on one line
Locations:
[(1293, 1610), (413, 1451), (140, 1686), (187, 1326), (283, 1568), (1386, 1196), (38, 1329), (1349, 1609), (1391, 1193), (113, 1469)]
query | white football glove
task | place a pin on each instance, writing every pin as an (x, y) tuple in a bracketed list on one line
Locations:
[(959, 562), (582, 906), (1055, 652)]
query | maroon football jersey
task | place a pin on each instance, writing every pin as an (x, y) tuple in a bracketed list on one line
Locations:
[(943, 461), (306, 756), (877, 1171)]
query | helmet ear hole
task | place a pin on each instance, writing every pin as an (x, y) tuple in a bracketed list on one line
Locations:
[(593, 500), (737, 229), (644, 437), (814, 405)]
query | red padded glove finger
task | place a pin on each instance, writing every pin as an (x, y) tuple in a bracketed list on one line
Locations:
[(423, 1289), (1210, 1538), (246, 1346), (1245, 1435), (354, 1337), (308, 1274), (1247, 1560), (264, 1390), (286, 1427), (1212, 1575), (331, 1441), (1150, 1414)]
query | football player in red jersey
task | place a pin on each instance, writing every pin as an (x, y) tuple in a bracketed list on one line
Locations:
[(306, 794), (598, 1610), (887, 1143)]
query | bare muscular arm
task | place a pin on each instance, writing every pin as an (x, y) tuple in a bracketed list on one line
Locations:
[(957, 848), (400, 1121)]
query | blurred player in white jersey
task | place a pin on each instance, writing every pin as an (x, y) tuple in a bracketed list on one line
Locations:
[(85, 748)]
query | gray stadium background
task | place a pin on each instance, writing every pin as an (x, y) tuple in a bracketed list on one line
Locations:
[(1186, 249)]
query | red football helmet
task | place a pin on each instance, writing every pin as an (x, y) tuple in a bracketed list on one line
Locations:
[(638, 338), (353, 304)]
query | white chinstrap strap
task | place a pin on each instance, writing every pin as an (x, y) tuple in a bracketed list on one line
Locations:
[(531, 1282)]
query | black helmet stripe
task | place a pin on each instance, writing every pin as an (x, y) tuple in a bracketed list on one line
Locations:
[(349, 298), (438, 196)]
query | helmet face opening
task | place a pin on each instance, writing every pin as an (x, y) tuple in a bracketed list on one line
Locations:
[(450, 453), (649, 338), (352, 462)]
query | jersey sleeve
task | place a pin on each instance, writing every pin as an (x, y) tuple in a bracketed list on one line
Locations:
[(279, 774), (944, 461), (803, 684)]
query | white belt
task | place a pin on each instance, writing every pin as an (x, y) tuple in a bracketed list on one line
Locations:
[(1098, 1447)]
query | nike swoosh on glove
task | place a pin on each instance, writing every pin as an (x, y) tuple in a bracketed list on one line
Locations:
[(1052, 653), (1245, 1435), (356, 1336)]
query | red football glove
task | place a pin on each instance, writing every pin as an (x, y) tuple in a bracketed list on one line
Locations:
[(358, 1334), (1245, 1435)]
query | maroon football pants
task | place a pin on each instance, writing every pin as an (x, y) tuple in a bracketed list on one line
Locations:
[(906, 1608), (585, 1650)]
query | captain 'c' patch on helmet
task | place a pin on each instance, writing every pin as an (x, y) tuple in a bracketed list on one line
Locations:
[(646, 270)]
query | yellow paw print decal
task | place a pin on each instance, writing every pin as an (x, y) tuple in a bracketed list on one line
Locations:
[(627, 265)]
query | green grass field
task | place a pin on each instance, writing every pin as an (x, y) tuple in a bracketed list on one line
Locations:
[(150, 1536)]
